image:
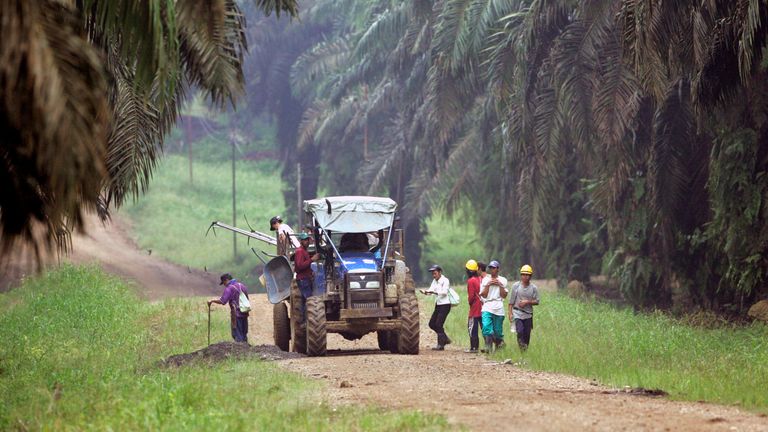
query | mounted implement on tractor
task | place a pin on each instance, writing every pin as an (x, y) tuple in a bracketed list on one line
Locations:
[(361, 283)]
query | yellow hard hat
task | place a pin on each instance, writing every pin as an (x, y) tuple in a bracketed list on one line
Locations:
[(526, 269), (471, 265)]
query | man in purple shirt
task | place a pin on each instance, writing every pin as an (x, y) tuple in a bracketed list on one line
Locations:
[(231, 295)]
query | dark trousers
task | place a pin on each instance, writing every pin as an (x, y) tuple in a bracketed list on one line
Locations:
[(240, 330), (437, 322), (305, 288), (473, 327), (523, 328)]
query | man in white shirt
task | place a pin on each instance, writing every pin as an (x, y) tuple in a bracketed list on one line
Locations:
[(285, 235), (493, 291), (439, 288)]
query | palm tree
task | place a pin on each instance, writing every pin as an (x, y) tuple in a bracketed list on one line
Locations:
[(88, 91)]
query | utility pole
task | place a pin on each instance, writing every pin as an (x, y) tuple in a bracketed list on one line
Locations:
[(299, 226), (187, 127), (365, 126), (234, 197)]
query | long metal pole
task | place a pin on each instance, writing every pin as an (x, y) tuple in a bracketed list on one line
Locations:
[(209, 324), (299, 228), (234, 199)]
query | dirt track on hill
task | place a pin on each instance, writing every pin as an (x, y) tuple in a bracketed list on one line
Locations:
[(113, 249), (467, 389)]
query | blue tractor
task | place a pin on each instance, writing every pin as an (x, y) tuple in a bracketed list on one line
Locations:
[(361, 282)]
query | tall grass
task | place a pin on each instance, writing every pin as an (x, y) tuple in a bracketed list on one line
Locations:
[(80, 351), (172, 218), (619, 347)]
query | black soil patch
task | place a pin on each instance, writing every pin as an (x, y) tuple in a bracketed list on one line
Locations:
[(229, 350), (638, 391)]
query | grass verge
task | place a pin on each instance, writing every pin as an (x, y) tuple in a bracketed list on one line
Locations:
[(618, 347), (83, 354)]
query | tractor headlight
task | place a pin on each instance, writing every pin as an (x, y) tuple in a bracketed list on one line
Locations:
[(373, 285), (355, 285)]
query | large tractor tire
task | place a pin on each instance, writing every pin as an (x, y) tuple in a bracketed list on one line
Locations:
[(410, 286), (316, 331), (408, 336), (394, 342), (298, 333), (382, 337), (282, 326)]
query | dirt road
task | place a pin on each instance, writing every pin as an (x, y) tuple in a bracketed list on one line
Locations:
[(483, 395), (111, 247), (467, 389)]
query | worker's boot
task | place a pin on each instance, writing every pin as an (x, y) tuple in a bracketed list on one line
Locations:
[(489, 348)]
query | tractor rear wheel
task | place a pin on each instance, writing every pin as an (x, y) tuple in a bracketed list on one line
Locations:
[(282, 326), (382, 336), (410, 286), (316, 331), (394, 342), (298, 334), (408, 337)]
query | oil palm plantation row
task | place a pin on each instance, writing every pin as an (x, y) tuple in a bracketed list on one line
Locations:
[(625, 137), (89, 88)]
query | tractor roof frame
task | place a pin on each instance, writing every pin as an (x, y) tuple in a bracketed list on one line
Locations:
[(352, 214)]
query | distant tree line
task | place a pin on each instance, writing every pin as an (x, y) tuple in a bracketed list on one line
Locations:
[(623, 137)]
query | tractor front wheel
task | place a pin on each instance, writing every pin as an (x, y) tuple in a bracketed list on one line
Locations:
[(298, 334), (382, 337), (282, 326), (316, 331), (408, 336)]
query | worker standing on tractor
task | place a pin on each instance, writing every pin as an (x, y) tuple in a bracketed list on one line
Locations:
[(305, 277), (439, 288), (285, 235), (524, 296), (493, 291), (231, 295), (473, 297)]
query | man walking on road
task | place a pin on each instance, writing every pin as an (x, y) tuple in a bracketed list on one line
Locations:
[(439, 288), (493, 291), (473, 297), (524, 296), (231, 295)]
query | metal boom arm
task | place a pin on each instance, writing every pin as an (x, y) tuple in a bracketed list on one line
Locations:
[(266, 238)]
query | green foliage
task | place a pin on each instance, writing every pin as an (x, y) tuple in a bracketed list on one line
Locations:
[(85, 352), (619, 347), (92, 87), (738, 185)]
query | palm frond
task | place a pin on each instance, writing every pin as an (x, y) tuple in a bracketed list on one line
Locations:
[(54, 114), (316, 64), (384, 32), (212, 44)]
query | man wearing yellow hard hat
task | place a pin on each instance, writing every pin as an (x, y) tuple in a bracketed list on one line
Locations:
[(524, 296)]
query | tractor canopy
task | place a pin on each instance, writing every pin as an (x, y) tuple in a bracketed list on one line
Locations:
[(352, 214)]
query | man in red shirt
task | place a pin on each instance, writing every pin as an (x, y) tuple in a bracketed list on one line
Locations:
[(473, 297), (303, 268)]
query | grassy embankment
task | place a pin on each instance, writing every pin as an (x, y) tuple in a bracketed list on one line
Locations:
[(618, 347), (81, 352)]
